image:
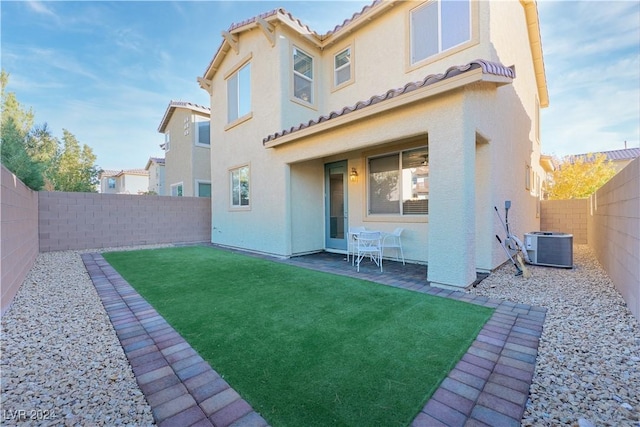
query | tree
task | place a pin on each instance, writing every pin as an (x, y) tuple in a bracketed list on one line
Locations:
[(14, 126), (577, 177), (34, 154), (43, 147), (76, 169), (15, 157)]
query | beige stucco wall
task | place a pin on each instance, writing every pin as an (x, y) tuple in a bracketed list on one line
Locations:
[(132, 184), (156, 178), (614, 232), (185, 162), (19, 235)]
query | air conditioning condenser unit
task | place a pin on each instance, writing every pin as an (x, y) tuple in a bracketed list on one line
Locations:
[(549, 248)]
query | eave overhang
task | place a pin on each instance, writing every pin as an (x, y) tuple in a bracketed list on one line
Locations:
[(535, 43)]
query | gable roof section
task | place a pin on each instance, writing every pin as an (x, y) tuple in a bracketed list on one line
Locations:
[(284, 17), (358, 19), (157, 160), (173, 105), (504, 75)]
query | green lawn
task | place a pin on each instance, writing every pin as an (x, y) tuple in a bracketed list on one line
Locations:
[(306, 348)]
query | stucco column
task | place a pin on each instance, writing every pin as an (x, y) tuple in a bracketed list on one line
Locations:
[(452, 202)]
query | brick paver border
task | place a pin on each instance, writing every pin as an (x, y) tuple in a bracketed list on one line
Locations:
[(488, 387)]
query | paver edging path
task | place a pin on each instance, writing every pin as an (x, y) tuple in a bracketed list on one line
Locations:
[(488, 386)]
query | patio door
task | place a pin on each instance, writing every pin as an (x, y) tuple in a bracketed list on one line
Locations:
[(336, 220)]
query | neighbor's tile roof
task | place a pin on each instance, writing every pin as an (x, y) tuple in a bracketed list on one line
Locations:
[(624, 154), (613, 155), (486, 66), (108, 172), (133, 172), (180, 104)]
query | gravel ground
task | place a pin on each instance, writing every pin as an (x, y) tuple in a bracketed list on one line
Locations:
[(588, 366), (62, 363)]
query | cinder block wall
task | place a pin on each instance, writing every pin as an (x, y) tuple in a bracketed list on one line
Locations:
[(91, 220), (565, 216), (614, 232), (19, 235)]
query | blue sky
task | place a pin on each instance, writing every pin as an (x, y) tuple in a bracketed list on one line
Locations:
[(106, 71)]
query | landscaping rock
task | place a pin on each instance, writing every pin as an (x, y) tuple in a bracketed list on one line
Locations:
[(588, 369)]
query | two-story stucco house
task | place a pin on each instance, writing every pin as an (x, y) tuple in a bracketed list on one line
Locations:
[(420, 115), (155, 167), (187, 142), (125, 181)]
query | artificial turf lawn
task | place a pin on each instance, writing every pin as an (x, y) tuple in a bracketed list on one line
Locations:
[(302, 347)]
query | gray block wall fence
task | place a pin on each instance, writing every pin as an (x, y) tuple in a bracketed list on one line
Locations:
[(565, 216), (91, 220), (19, 235), (614, 232)]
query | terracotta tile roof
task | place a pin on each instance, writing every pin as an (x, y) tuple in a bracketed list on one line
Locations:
[(624, 154), (142, 172), (108, 172), (613, 155), (180, 104), (286, 14), (355, 16), (486, 66)]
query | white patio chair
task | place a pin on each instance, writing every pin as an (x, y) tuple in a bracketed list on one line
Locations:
[(351, 242), (394, 241), (368, 244)]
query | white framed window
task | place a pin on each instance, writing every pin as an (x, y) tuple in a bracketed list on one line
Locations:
[(167, 141), (437, 26), (203, 132), (302, 76), (398, 183), (111, 183), (176, 189), (239, 93), (239, 187), (342, 67), (186, 126), (203, 188)]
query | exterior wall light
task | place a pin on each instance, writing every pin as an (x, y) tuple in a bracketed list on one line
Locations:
[(353, 176)]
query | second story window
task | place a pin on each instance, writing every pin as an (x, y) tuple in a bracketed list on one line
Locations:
[(167, 141), (342, 67), (437, 26), (111, 183), (302, 76), (239, 93), (203, 133)]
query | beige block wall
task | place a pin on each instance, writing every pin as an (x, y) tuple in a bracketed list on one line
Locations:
[(19, 234), (90, 220), (614, 232), (565, 216)]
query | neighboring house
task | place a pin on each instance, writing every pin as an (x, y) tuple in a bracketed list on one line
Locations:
[(155, 167), (187, 149), (619, 158), (131, 181), (420, 115)]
